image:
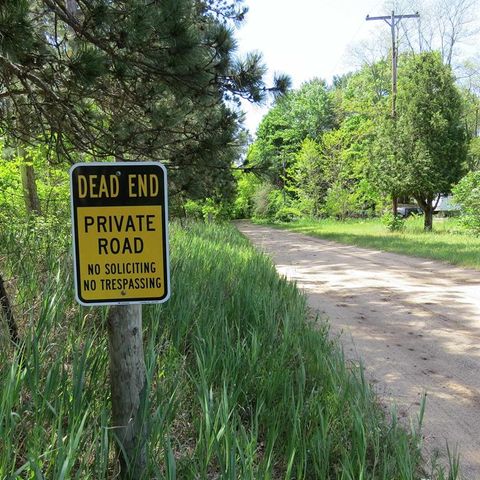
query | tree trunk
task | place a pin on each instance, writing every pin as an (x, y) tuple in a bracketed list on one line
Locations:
[(30, 194), (428, 221), (428, 209), (394, 205), (128, 388), (6, 308)]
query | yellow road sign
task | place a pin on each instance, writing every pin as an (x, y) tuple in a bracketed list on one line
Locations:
[(120, 232)]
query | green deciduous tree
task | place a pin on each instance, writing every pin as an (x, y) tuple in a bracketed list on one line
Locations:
[(424, 148), (304, 113), (309, 181), (471, 102), (473, 158), (344, 151), (315, 142), (247, 183)]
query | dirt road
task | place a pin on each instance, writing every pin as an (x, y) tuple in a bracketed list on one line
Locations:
[(414, 323)]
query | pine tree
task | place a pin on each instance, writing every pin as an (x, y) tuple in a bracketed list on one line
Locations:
[(128, 79)]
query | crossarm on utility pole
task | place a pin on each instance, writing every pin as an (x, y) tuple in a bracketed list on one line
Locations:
[(389, 17)]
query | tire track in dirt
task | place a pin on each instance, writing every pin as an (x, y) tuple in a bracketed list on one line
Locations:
[(414, 324)]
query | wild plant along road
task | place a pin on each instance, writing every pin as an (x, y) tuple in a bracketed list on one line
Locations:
[(413, 323)]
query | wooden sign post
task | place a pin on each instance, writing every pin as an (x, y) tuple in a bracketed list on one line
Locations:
[(120, 243)]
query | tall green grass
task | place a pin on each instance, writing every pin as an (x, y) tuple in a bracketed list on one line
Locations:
[(447, 243), (241, 385)]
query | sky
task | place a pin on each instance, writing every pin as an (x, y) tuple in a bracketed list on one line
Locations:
[(306, 38)]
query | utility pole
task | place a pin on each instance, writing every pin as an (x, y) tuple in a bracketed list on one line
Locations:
[(393, 20)]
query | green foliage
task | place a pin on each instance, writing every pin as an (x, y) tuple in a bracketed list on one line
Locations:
[(467, 194), (310, 110), (11, 198), (301, 114), (267, 200), (422, 151), (209, 210), (238, 380), (473, 156), (339, 202), (471, 109), (51, 181), (366, 92), (247, 183), (430, 134), (394, 223), (424, 148), (193, 209), (88, 65), (309, 183), (316, 144), (350, 155), (347, 165), (17, 37), (216, 210), (130, 80), (287, 214)]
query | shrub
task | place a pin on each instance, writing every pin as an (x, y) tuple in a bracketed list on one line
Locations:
[(267, 201), (287, 214), (247, 183), (394, 223), (339, 202), (209, 210), (193, 209), (467, 194)]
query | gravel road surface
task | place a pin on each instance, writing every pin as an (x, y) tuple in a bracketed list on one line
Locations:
[(413, 323)]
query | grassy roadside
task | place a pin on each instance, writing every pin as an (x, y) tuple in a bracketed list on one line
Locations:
[(446, 243), (241, 385)]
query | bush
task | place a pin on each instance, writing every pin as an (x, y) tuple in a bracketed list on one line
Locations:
[(339, 202), (247, 183), (209, 210), (267, 201), (467, 194), (394, 223), (287, 214), (193, 210)]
